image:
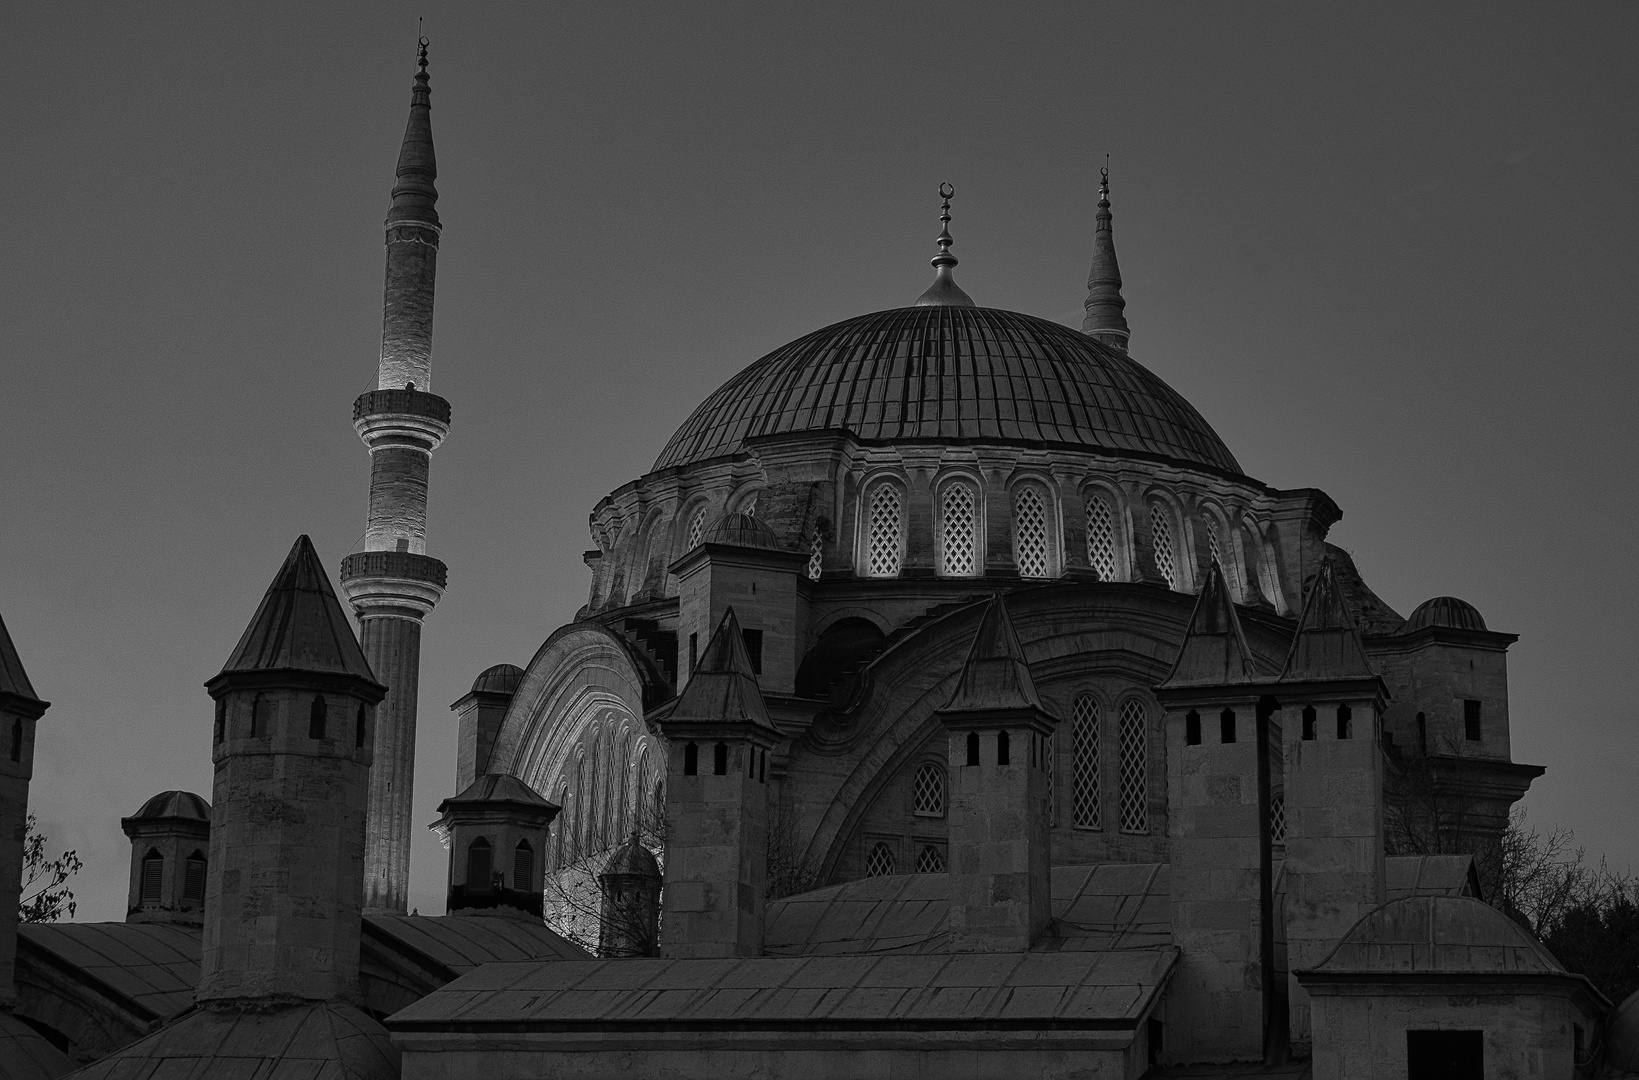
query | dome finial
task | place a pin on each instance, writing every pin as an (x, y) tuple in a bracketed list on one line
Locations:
[(1105, 321), (944, 291)]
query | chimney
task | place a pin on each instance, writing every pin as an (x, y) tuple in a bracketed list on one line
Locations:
[(170, 844), (497, 831)]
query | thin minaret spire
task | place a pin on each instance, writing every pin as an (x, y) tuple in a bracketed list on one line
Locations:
[(393, 583), (944, 291), (1105, 321)]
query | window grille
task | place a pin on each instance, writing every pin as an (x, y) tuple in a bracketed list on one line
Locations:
[(1161, 531), (1135, 812), (928, 791), (153, 876), (1047, 763), (697, 531), (1214, 552), (523, 867), (1101, 538), (193, 878), (930, 860), (959, 509), (816, 557), (1030, 525), (1277, 817), (882, 548), (1085, 786), (880, 861)]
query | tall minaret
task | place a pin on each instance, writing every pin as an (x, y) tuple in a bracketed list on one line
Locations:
[(393, 583), (1105, 321)]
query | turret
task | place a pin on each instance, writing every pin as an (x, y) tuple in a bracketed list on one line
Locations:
[(478, 720), (295, 710), (1105, 320), (629, 918), (1000, 877), (170, 845), (497, 831), (393, 583), (717, 805)]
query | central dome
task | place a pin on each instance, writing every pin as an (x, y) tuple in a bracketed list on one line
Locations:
[(952, 373)]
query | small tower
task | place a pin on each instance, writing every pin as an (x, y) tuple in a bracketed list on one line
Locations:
[(1105, 320), (1000, 878), (497, 831), (629, 921), (717, 805), (1221, 724), (170, 845), (393, 583), (295, 707), (478, 717)]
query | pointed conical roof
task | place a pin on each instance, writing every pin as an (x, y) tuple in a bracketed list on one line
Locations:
[(996, 674), (1105, 320), (13, 679), (1214, 652), (1327, 645), (416, 192), (723, 686), (299, 625)]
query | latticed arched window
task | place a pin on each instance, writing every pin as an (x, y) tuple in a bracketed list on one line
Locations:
[(1161, 533), (1101, 537), (697, 530), (1277, 817), (1214, 551), (1135, 810), (1085, 784), (882, 531), (816, 557), (150, 888), (959, 530), (478, 862), (928, 790), (193, 878), (523, 867), (1034, 555), (880, 861), (930, 860)]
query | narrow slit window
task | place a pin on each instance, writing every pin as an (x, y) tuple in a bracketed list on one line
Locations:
[(1085, 785), (221, 721), (1004, 755), (1422, 734), (258, 717), (973, 748), (691, 759), (359, 726), (1345, 722), (17, 739), (1135, 765), (316, 717), (754, 649), (1192, 728), (1308, 723), (1471, 721), (719, 759), (1226, 726)]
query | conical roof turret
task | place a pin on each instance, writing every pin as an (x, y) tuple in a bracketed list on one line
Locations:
[(415, 193), (996, 674), (1214, 652), (1105, 320), (1327, 645), (299, 625), (13, 679), (723, 686)]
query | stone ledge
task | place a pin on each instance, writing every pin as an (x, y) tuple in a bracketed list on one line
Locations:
[(403, 565), (401, 403)]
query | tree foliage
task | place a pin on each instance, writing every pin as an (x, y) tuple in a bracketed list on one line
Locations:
[(46, 896)]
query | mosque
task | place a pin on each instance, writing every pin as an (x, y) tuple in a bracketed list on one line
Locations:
[(948, 701)]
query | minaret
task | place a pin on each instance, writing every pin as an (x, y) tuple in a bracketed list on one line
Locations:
[(393, 583), (1104, 321)]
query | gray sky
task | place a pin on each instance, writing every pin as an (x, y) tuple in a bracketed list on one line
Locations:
[(1387, 252)]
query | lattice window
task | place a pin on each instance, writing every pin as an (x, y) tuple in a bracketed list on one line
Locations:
[(153, 877), (928, 791), (1047, 763), (1214, 552), (880, 861), (1030, 525), (816, 557), (1161, 531), (697, 531), (930, 860), (959, 509), (882, 546), (1277, 817), (1135, 810), (1101, 537), (1085, 787)]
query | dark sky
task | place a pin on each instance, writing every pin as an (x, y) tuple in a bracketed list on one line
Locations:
[(1387, 252)]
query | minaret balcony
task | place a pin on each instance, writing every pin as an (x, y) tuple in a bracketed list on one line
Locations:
[(393, 582), (408, 418)]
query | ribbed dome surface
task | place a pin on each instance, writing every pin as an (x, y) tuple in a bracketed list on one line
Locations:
[(951, 373), (175, 804), (500, 679), (743, 530), (1445, 611)]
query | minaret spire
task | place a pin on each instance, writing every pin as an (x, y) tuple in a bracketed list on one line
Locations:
[(944, 292), (393, 583), (1105, 321)]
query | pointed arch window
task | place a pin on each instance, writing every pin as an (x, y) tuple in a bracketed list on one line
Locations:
[(928, 790), (930, 860), (523, 867), (1101, 537), (193, 878), (1085, 784), (478, 863), (882, 531), (880, 861), (697, 530), (1277, 817), (1161, 533), (1135, 811), (958, 529), (150, 889), (1033, 551)]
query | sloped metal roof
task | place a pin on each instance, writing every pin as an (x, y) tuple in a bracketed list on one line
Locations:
[(460, 943), (952, 373), (152, 967), (299, 625)]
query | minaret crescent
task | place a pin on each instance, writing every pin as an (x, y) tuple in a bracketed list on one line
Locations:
[(393, 583)]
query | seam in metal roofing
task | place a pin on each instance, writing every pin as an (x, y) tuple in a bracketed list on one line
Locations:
[(951, 373)]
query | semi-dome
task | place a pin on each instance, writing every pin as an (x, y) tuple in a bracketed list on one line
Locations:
[(500, 679), (952, 373), (743, 530), (1445, 611), (174, 804)]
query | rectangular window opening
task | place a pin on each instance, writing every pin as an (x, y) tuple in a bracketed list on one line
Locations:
[(1471, 721), (754, 649), (1226, 726), (1445, 1055)]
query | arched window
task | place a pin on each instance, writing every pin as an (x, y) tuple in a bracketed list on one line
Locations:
[(1033, 550), (930, 860), (816, 556), (358, 730), (880, 861), (1214, 550), (1192, 728), (928, 790), (1101, 537), (1135, 810), (1084, 808), (193, 878), (316, 717), (958, 530), (1309, 722), (258, 716), (697, 530), (1277, 817), (1345, 722), (1161, 533), (150, 889), (523, 867), (478, 863), (17, 739), (882, 532)]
